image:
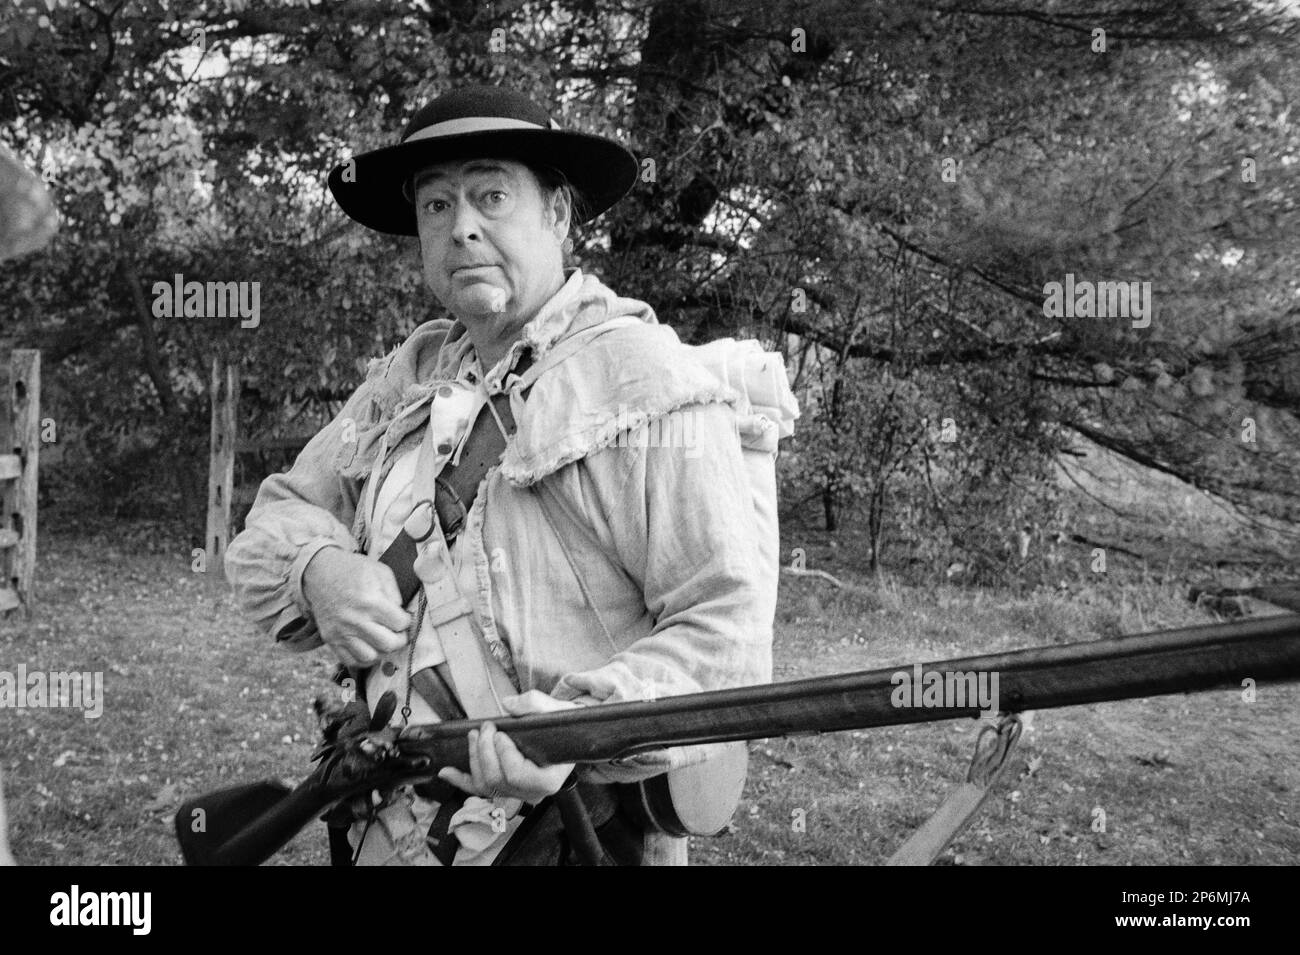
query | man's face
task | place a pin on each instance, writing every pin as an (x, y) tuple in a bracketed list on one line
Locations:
[(489, 242)]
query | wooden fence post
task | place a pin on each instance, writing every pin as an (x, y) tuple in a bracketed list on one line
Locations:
[(20, 442), (221, 466)]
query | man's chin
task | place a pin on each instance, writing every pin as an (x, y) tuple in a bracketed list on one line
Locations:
[(478, 304)]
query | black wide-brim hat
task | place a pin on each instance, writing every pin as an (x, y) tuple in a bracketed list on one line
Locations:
[(478, 122)]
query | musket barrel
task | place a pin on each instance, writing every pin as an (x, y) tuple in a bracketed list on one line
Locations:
[(1150, 664)]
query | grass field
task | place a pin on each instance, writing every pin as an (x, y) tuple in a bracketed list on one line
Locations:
[(194, 700)]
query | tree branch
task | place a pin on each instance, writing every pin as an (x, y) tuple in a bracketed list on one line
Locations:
[(153, 363)]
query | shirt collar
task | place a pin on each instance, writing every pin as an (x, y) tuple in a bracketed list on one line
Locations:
[(538, 335)]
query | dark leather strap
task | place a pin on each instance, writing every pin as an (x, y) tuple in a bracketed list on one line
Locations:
[(441, 842), (340, 848), (435, 688), (457, 485), (576, 817), (545, 838)]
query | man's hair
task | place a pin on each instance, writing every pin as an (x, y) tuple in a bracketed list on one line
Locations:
[(552, 180)]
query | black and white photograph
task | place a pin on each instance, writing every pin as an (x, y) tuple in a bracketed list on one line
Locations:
[(567, 433)]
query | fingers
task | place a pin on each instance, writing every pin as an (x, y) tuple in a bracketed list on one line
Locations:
[(484, 776), (460, 779), (489, 764), (475, 763), (534, 701), (354, 652), (395, 618), (384, 615), (344, 655), (363, 645), (499, 770), (379, 619), (378, 637), (513, 765), (356, 597)]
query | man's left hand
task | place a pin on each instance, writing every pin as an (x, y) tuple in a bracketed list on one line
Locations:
[(498, 770)]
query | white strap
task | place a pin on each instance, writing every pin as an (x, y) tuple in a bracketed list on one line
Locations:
[(481, 681), (425, 481)]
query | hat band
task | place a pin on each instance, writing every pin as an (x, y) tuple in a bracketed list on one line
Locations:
[(472, 124)]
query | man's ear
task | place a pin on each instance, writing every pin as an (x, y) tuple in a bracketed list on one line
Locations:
[(561, 213)]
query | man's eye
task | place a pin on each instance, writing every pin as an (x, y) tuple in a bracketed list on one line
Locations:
[(496, 197), (434, 205)]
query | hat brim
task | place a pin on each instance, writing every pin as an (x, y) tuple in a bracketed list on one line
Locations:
[(600, 169)]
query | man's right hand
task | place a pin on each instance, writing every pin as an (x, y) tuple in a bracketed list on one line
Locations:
[(356, 604)]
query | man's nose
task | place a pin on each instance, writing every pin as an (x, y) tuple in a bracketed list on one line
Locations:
[(465, 225)]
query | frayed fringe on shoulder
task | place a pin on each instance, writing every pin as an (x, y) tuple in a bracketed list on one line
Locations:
[(574, 447)]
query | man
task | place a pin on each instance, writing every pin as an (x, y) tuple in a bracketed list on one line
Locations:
[(588, 568)]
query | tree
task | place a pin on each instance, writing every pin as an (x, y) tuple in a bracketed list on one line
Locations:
[(919, 173)]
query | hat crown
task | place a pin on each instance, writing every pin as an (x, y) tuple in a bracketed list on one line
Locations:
[(477, 102)]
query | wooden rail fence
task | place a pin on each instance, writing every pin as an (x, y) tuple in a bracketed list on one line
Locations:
[(225, 445), (20, 442)]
